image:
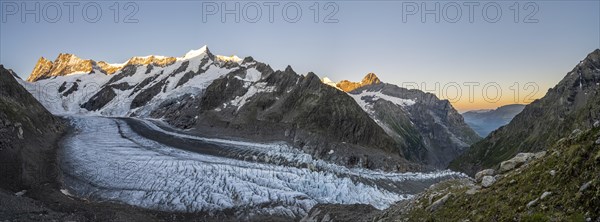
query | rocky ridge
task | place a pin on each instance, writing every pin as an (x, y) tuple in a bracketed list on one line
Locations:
[(430, 130)]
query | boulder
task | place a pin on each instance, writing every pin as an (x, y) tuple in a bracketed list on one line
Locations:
[(540, 154), (472, 191), (575, 134), (545, 194), (20, 130), (487, 172), (517, 161), (523, 157), (507, 166), (532, 203), (487, 181), (341, 212), (585, 186), (438, 203)]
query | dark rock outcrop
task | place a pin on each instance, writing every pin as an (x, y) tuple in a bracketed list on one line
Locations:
[(100, 99), (28, 136)]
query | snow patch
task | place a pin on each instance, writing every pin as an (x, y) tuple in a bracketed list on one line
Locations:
[(21, 193), (261, 87), (328, 81), (362, 100), (66, 192)]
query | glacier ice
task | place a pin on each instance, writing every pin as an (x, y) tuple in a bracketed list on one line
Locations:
[(104, 159)]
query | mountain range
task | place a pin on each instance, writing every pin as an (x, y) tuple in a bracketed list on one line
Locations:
[(486, 121), (541, 165), (369, 124)]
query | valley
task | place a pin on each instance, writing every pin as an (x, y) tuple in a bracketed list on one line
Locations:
[(224, 138)]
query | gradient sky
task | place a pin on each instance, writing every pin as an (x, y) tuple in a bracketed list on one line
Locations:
[(369, 37)]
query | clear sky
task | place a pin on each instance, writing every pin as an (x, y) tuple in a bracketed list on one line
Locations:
[(385, 37)]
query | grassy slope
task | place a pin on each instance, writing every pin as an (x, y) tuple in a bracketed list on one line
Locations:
[(576, 161)]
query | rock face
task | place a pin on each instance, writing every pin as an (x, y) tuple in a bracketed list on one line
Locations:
[(28, 136), (571, 104), (486, 121), (430, 130), (64, 64)]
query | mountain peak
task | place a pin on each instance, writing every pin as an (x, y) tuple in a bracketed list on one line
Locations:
[(197, 52), (64, 64), (593, 57), (369, 79), (289, 69)]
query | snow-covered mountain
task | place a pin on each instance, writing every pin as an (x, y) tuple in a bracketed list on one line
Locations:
[(71, 85), (222, 96), (155, 169), (430, 130)]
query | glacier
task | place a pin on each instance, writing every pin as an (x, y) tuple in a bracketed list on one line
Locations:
[(104, 159)]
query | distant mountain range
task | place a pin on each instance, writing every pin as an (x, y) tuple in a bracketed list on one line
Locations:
[(486, 121)]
